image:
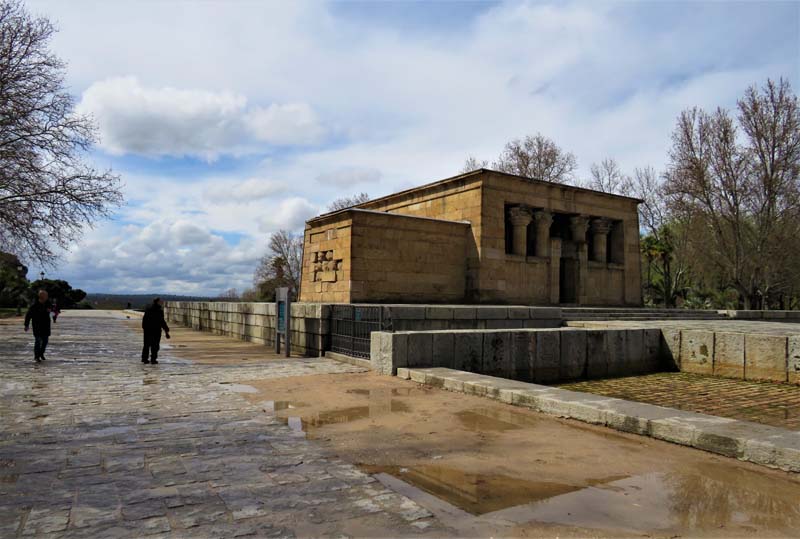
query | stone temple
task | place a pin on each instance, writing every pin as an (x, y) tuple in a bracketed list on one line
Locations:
[(480, 237)]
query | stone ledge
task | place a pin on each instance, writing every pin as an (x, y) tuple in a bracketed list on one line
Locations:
[(343, 358), (761, 444)]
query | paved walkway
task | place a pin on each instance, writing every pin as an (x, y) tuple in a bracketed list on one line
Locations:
[(762, 402), (96, 444)]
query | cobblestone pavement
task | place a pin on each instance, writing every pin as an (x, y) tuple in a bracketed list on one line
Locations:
[(96, 444), (763, 402)]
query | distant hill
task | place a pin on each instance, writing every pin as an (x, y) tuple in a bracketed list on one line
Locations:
[(137, 301)]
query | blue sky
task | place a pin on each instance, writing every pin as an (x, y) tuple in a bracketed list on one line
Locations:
[(229, 120)]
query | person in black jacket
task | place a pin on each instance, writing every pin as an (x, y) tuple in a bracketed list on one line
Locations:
[(39, 314), (152, 324)]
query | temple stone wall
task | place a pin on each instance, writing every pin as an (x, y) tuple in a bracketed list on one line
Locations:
[(527, 242), (366, 256)]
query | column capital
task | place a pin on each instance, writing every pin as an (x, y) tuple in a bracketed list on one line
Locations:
[(543, 218), (579, 224), (520, 216), (601, 225)]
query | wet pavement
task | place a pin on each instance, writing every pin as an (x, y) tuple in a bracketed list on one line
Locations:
[(769, 403), (96, 444), (244, 443)]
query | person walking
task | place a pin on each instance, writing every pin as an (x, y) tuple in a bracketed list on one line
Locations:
[(39, 315), (152, 324), (55, 310)]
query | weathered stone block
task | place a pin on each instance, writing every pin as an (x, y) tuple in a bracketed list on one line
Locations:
[(652, 350), (765, 357), (573, 355), (596, 354), (468, 351), (697, 351), (729, 355), (548, 356), (420, 350), (464, 313), (616, 352), (437, 312), (634, 352), (405, 312), (518, 313), (793, 366), (394, 352), (671, 348), (523, 354), (496, 359), (443, 349), (491, 313)]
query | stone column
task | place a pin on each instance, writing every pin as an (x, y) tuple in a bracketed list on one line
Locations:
[(578, 225), (555, 270), (600, 228), (543, 221), (520, 218)]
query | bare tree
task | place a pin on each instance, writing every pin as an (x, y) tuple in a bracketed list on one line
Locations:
[(348, 202), (742, 190), (537, 158), (230, 294), (607, 177), (473, 163), (281, 266), (47, 193)]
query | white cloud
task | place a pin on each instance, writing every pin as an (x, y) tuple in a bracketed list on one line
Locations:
[(290, 214), (347, 176), (250, 190), (294, 123), (166, 121)]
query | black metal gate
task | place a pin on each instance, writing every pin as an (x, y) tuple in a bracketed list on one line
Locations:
[(351, 326)]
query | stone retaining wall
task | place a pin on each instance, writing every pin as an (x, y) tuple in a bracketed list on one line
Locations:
[(310, 324), (255, 322), (750, 356), (540, 355)]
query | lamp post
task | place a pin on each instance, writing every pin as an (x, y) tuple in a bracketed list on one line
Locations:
[(41, 276)]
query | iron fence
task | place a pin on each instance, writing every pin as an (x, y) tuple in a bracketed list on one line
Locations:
[(351, 326)]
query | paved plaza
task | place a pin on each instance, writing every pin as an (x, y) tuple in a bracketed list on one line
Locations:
[(96, 444), (225, 439)]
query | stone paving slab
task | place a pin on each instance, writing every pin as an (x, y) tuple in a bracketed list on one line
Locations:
[(760, 402), (753, 442), (96, 444)]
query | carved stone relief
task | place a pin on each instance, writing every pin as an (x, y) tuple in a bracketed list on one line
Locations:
[(326, 266)]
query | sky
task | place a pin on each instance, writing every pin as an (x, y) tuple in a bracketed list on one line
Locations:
[(229, 120)]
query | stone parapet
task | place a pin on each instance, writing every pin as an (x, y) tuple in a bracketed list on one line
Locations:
[(540, 355)]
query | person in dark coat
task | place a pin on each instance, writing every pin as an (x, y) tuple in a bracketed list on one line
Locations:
[(152, 324), (39, 315)]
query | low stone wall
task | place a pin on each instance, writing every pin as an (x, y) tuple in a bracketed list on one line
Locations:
[(255, 322), (310, 324), (751, 356), (775, 316), (444, 317), (540, 355)]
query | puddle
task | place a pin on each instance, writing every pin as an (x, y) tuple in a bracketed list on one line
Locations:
[(149, 382), (475, 493), (486, 419), (711, 498), (277, 406), (316, 420), (395, 392)]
